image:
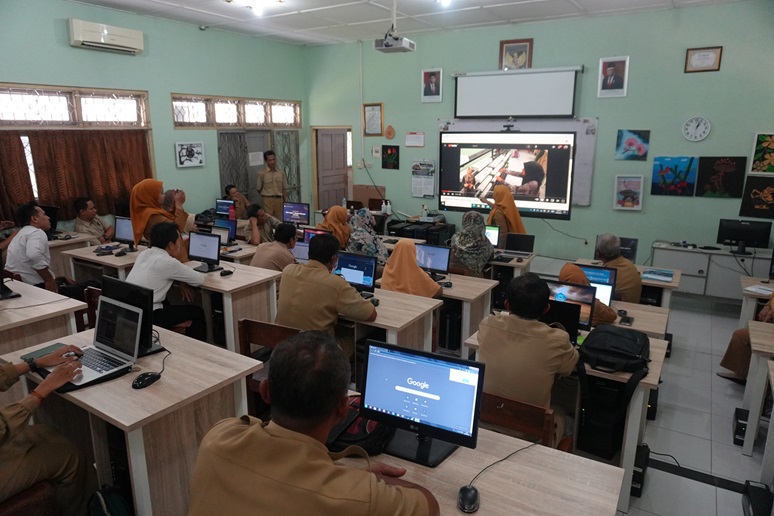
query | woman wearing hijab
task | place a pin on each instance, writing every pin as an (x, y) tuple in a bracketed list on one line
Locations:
[(336, 222), (146, 207), (402, 274), (471, 249), (603, 314), (362, 237), (504, 214)]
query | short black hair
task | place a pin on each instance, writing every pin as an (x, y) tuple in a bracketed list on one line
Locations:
[(268, 153), (80, 204), (163, 234), (323, 248), (308, 376), (252, 210), (528, 295), (25, 212), (228, 189), (284, 232)]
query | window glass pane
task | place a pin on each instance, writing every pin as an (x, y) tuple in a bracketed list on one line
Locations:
[(255, 112), (349, 149), (34, 106), (30, 166), (109, 109), (283, 114), (192, 111), (226, 113)]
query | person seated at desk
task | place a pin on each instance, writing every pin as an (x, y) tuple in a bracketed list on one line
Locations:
[(246, 466), (262, 225), (30, 454), (240, 201), (471, 250), (6, 240), (337, 222), (276, 255), (362, 237), (311, 298), (603, 314), (402, 274), (30, 258), (504, 214), (156, 268), (522, 354), (89, 222), (739, 351), (628, 282), (146, 205)]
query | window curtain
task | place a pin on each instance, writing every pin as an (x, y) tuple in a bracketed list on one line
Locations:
[(15, 184), (286, 147), (101, 165)]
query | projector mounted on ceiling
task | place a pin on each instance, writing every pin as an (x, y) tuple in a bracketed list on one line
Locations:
[(391, 42)]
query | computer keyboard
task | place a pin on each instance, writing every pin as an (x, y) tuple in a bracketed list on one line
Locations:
[(99, 361), (391, 241)]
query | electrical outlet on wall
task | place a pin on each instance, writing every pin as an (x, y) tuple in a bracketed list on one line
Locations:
[(376, 151)]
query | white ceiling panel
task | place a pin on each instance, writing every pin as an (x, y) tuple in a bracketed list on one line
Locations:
[(455, 19), (535, 11)]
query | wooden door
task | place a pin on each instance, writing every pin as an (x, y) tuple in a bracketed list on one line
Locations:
[(331, 167)]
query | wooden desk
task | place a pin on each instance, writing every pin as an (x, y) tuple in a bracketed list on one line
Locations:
[(635, 412), (750, 299), (83, 262), (243, 256), (251, 293), (519, 267), (666, 287), (391, 247), (37, 316), (539, 480), (651, 320), (163, 423), (762, 341), (56, 248), (767, 467)]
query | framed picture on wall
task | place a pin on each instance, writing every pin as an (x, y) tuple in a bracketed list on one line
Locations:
[(373, 119), (703, 59), (613, 76), (431, 85), (515, 54), (628, 193), (189, 154)]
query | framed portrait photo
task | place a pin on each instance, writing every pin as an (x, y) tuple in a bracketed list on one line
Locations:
[(189, 154), (628, 193), (373, 119), (705, 59), (515, 54), (430, 88), (613, 77)]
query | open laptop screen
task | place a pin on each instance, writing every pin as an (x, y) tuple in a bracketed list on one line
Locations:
[(603, 279), (223, 233), (493, 234), (582, 295), (359, 270), (118, 328), (301, 252)]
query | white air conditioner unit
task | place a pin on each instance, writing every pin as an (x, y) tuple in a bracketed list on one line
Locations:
[(390, 44), (99, 36)]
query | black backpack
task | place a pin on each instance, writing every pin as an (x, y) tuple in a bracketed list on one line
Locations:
[(613, 349)]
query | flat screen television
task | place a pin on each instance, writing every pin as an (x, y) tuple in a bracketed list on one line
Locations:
[(222, 206), (139, 297), (582, 295), (295, 213), (433, 259), (536, 166), (359, 270), (309, 233), (227, 223), (603, 279), (432, 400), (744, 234), (493, 234), (124, 233), (205, 248)]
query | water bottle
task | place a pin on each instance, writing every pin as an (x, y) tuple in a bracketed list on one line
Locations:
[(231, 213), (344, 202), (389, 208), (423, 214), (384, 207)]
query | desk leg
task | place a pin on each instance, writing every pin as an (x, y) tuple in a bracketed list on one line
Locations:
[(666, 297), (748, 311), (756, 384), (466, 309), (635, 413), (273, 301), (122, 273), (767, 468), (240, 397), (139, 470), (427, 340), (228, 319), (72, 328), (72, 267), (392, 337)]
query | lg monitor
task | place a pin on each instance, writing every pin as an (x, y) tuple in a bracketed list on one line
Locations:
[(434, 259), (139, 297), (603, 279), (125, 233), (537, 167), (493, 234), (359, 270), (582, 295), (433, 401), (230, 224), (295, 213), (744, 234), (301, 252), (309, 233), (519, 243), (205, 248), (222, 207)]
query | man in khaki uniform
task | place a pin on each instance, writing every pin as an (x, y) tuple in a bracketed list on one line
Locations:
[(276, 255), (628, 282), (272, 185)]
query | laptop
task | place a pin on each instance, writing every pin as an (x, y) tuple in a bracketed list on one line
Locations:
[(566, 314), (116, 343), (6, 292), (581, 295), (301, 251), (518, 245), (223, 233), (603, 279), (493, 234), (359, 271)]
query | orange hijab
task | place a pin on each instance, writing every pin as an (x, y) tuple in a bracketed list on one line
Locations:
[(603, 314), (504, 202), (336, 222), (144, 203), (402, 274)]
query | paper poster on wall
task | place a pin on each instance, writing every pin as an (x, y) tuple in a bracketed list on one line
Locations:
[(721, 176), (674, 176), (758, 198), (255, 159), (415, 139), (423, 178)]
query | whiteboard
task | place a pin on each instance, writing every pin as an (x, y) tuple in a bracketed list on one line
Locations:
[(585, 147), (524, 93)]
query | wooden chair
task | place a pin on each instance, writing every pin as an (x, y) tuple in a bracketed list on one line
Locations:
[(39, 499), (530, 420), (263, 334)]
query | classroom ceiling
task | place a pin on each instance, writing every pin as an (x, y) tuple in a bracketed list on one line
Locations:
[(321, 22)]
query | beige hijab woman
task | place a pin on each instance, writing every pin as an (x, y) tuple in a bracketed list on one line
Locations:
[(337, 222), (402, 274)]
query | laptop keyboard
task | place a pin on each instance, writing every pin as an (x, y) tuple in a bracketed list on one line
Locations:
[(99, 361)]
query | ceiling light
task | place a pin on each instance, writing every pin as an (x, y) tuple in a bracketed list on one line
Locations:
[(444, 3)]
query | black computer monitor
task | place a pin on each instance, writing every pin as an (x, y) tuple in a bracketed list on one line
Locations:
[(359, 270), (295, 213), (230, 224), (205, 248), (139, 297), (519, 242), (309, 233), (744, 234), (493, 234), (434, 259), (603, 279), (629, 248), (582, 295), (222, 206), (433, 401), (125, 233), (566, 314), (771, 267)]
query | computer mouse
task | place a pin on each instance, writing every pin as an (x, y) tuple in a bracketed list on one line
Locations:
[(145, 379), (226, 272), (467, 499), (66, 237), (622, 313), (374, 301), (120, 253), (519, 260), (448, 284)]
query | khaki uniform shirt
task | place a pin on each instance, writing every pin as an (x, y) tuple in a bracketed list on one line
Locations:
[(311, 298), (270, 182), (14, 420), (95, 228), (628, 282), (272, 255)]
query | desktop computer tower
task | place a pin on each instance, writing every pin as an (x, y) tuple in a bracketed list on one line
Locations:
[(440, 234), (418, 231), (450, 331), (503, 275), (395, 228), (757, 499), (641, 459)]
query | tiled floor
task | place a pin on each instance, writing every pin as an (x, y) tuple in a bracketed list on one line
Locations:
[(694, 417)]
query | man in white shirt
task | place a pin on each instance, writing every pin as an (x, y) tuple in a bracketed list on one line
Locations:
[(156, 269)]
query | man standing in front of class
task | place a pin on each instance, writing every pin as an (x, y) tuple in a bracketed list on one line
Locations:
[(272, 185)]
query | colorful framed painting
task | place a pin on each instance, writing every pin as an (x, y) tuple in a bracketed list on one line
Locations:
[(628, 193), (390, 157), (515, 54), (758, 197), (721, 177), (763, 154), (632, 145), (674, 176), (613, 80)]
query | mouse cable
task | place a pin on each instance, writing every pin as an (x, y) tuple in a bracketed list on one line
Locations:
[(164, 360), (585, 241), (34, 304), (499, 461)]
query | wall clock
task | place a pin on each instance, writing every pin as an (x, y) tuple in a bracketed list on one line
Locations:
[(696, 128)]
